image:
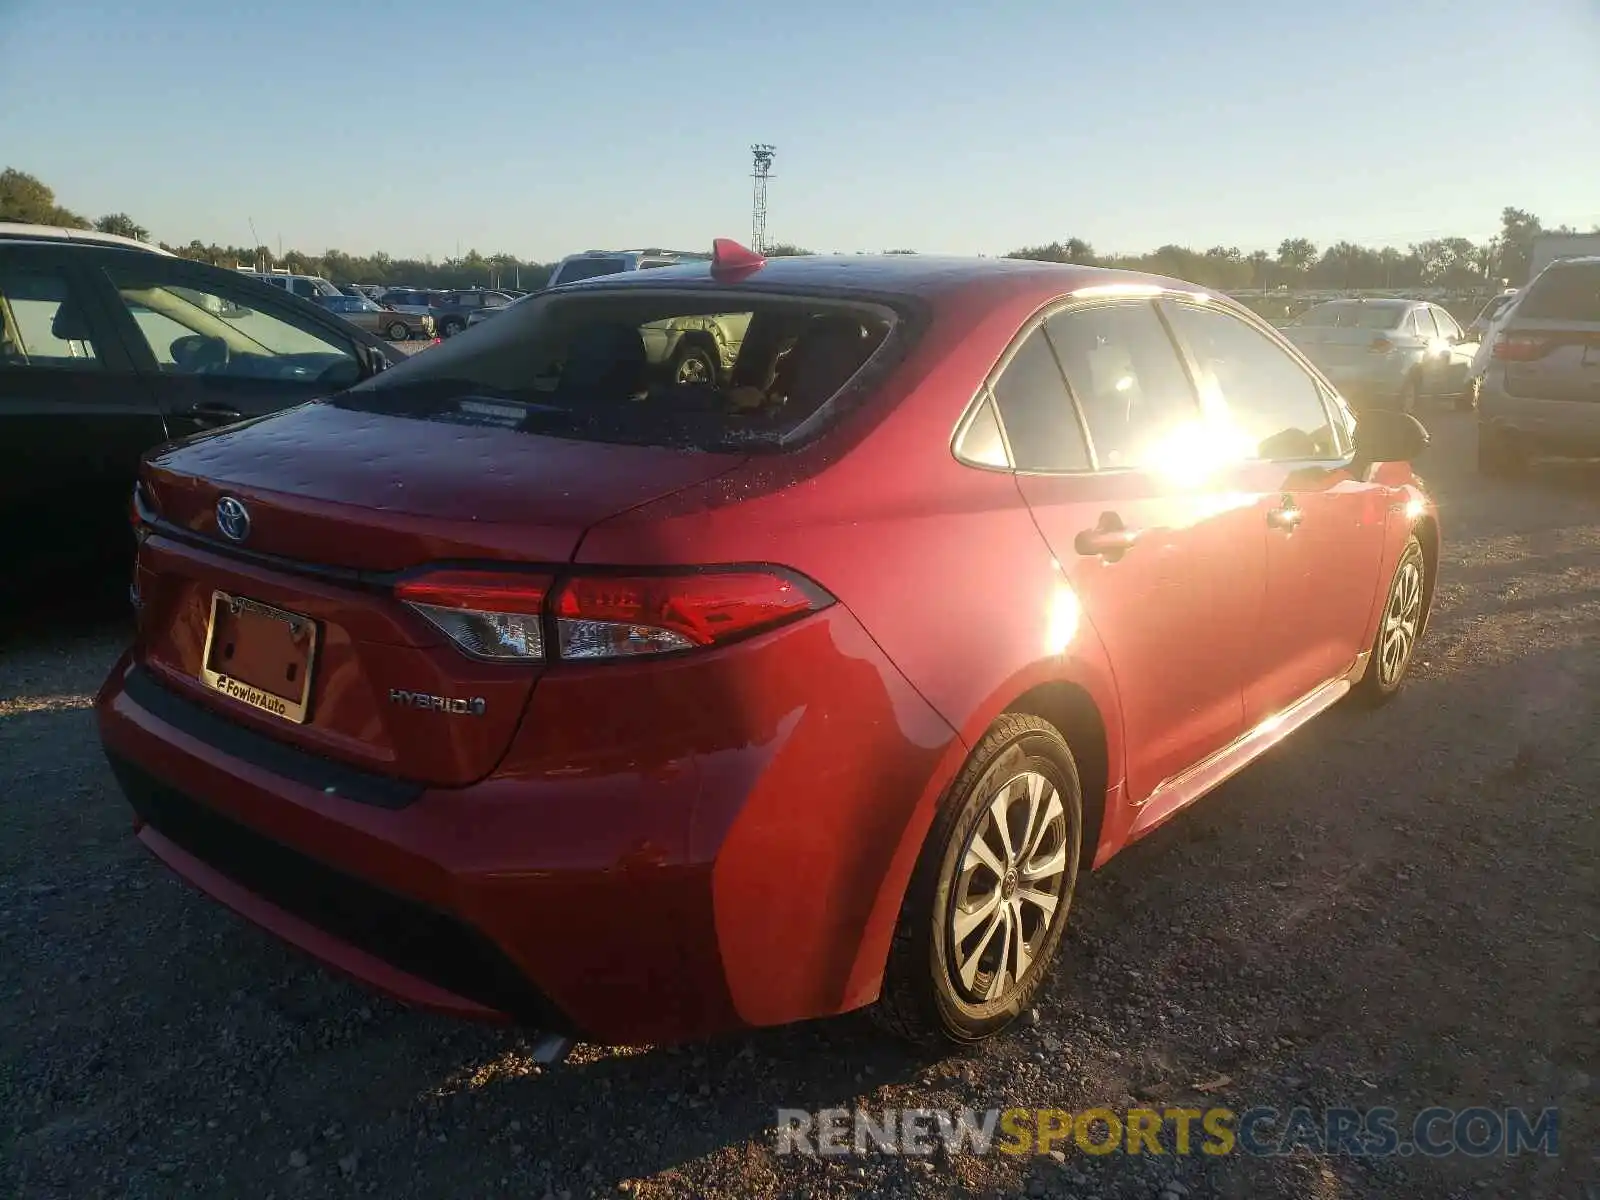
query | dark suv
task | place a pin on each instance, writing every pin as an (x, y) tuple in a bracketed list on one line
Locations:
[(107, 350), (1541, 392)]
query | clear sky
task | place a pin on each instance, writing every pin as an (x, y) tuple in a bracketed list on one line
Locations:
[(539, 128)]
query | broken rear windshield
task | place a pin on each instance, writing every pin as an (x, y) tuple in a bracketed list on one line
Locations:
[(698, 370)]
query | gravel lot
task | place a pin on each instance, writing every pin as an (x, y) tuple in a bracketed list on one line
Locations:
[(1398, 909)]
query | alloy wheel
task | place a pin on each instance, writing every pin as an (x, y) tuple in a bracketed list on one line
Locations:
[(1009, 888), (1402, 618), (693, 368)]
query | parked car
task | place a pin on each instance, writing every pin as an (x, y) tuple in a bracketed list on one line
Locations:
[(593, 264), (375, 318), (309, 286), (524, 681), (450, 310), (1541, 390), (1479, 327), (1482, 355), (26, 231), (107, 349), (1387, 352)]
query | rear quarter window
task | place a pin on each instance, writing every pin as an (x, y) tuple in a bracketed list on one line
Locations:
[(1563, 294)]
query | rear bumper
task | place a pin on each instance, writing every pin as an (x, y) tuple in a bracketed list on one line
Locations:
[(1380, 389), (1569, 427), (708, 870)]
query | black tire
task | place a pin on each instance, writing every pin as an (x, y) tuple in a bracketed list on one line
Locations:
[(1499, 456), (451, 327), (1411, 395), (1407, 599), (398, 332), (694, 363), (923, 1000)]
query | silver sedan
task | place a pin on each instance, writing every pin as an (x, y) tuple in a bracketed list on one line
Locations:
[(1387, 353)]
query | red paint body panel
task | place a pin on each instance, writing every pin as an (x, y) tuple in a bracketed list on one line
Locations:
[(378, 493), (675, 846)]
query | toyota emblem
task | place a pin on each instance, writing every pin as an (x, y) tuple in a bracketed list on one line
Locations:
[(233, 518)]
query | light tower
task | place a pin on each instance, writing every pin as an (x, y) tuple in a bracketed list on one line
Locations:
[(763, 155)]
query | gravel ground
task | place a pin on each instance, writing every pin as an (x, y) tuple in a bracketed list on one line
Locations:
[(1398, 909)]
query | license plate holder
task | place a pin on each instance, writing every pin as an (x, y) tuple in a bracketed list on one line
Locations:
[(260, 656)]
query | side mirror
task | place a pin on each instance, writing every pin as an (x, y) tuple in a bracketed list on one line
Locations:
[(1387, 435)]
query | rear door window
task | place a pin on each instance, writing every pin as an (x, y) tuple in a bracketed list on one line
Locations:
[(1128, 381), (43, 323), (1564, 293), (1422, 322)]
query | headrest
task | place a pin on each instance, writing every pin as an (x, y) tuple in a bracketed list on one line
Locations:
[(70, 324), (609, 357)]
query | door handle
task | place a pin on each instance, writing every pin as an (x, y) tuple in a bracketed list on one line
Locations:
[(1110, 539), (1287, 515), (214, 413)]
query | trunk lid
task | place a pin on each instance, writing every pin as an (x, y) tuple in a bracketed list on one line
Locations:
[(1334, 349), (374, 492), (337, 501)]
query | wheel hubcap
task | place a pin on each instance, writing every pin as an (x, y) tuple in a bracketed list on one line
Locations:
[(692, 370), (1400, 621), (1009, 889)]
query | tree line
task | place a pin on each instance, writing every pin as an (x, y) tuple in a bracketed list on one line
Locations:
[(1441, 262)]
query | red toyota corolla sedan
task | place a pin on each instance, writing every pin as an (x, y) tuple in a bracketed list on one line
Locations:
[(529, 681)]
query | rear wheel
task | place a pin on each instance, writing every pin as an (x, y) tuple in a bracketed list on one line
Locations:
[(452, 326), (694, 363), (398, 332), (1398, 629), (989, 898)]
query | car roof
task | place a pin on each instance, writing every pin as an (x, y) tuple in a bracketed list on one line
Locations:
[(913, 275), (26, 232)]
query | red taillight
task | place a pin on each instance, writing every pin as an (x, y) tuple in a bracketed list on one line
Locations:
[(1381, 345), (603, 616), (1519, 347), (501, 616)]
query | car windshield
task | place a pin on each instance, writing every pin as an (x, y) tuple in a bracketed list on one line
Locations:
[(1566, 293), (701, 371), (1352, 314)]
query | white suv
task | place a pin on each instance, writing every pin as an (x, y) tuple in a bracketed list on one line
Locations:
[(591, 264), (296, 285)]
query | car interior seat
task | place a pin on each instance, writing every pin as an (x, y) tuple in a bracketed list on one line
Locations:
[(71, 326), (828, 352), (604, 359)]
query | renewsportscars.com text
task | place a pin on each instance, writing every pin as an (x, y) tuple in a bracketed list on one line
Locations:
[(1264, 1132)]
